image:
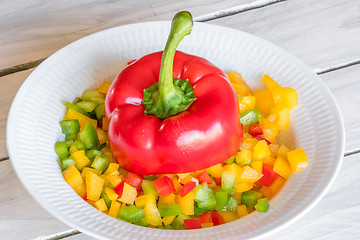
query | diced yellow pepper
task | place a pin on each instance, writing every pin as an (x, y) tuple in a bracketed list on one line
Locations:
[(297, 159), (264, 101), (261, 151), (243, 186), (73, 149), (72, 176), (239, 84), (247, 174), (114, 208), (168, 220), (282, 152), (128, 195), (106, 180), (102, 135), (270, 83), (152, 215), (94, 185), (111, 194), (217, 189), (237, 195), (286, 95), (215, 171), (81, 189), (83, 120), (242, 211), (80, 159), (104, 87), (270, 129), (233, 168), (244, 156), (114, 178), (247, 103), (269, 160), (274, 148), (109, 157), (207, 225), (282, 167), (248, 144), (282, 115), (168, 200), (276, 186), (142, 201), (228, 216), (186, 203), (88, 169), (112, 168), (101, 205), (257, 166)]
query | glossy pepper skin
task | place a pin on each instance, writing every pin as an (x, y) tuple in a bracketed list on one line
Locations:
[(206, 133)]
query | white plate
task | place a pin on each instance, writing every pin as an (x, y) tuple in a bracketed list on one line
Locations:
[(33, 129)]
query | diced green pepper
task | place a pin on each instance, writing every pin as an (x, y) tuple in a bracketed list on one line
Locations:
[(201, 193), (79, 145), (67, 162), (70, 127), (232, 204), (99, 100), (90, 94), (209, 203), (142, 222), (178, 223), (169, 227), (244, 162), (69, 105), (89, 136), (61, 150), (101, 163), (227, 182), (230, 160), (149, 188), (250, 116), (100, 111), (87, 105), (69, 143), (262, 205), (76, 100), (91, 154), (221, 201), (249, 198), (70, 137), (131, 213), (169, 210), (106, 198), (198, 211)]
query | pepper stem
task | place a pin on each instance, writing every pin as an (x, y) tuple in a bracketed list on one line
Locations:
[(170, 96)]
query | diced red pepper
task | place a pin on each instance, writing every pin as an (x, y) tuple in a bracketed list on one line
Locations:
[(119, 188), (164, 186), (134, 180), (255, 129), (217, 181), (217, 218), (188, 187), (205, 218), (269, 175), (204, 177), (85, 197), (192, 223), (259, 138)]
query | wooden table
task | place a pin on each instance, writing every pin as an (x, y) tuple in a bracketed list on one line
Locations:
[(325, 34)]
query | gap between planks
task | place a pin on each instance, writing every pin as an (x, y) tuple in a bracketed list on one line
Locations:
[(203, 18)]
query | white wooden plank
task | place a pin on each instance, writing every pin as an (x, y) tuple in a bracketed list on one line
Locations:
[(321, 33), (30, 30), (20, 216)]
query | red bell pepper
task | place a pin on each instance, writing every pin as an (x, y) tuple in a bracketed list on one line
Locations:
[(134, 180), (217, 218), (205, 218), (192, 223), (217, 180), (269, 175), (164, 186), (255, 129), (259, 138), (188, 187), (171, 112), (204, 177)]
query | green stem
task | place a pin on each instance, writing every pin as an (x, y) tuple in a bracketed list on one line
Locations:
[(170, 96)]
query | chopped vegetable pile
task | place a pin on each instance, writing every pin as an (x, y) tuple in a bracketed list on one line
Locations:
[(205, 198)]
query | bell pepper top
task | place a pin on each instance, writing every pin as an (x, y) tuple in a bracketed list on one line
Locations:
[(206, 133), (170, 96)]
